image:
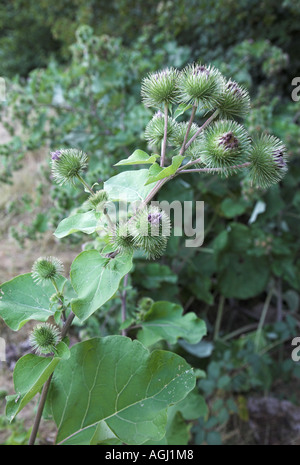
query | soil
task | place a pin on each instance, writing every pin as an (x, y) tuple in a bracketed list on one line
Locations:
[(15, 260)]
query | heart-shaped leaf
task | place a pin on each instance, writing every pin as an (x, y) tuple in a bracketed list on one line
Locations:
[(96, 279), (117, 381), (21, 300)]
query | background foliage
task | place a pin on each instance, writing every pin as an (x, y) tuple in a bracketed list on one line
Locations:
[(73, 72)]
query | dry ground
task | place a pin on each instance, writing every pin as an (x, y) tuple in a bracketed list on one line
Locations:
[(15, 260)]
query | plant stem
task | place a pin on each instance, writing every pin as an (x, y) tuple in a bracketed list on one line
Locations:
[(219, 317), (164, 142), (123, 301), (45, 389), (182, 150), (111, 224), (279, 300), (239, 331), (185, 145), (204, 125), (156, 188), (262, 318), (85, 184), (208, 170), (55, 286)]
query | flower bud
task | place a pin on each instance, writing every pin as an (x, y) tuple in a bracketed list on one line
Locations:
[(46, 269), (200, 85), (97, 201), (268, 161), (160, 88), (67, 165), (225, 143), (44, 338), (154, 131), (234, 101), (121, 239), (150, 230)]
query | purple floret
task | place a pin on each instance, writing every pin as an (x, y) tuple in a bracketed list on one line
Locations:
[(56, 155)]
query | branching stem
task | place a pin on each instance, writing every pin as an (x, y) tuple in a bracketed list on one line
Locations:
[(182, 150)]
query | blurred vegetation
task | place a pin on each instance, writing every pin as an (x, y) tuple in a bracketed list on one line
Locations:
[(73, 72)]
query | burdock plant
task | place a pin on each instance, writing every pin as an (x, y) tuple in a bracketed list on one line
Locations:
[(113, 390)]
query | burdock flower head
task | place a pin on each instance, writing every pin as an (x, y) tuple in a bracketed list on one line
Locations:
[(200, 85), (226, 143), (154, 131), (44, 338), (234, 101), (268, 161), (68, 165), (150, 230), (160, 88), (121, 239), (46, 269), (97, 200)]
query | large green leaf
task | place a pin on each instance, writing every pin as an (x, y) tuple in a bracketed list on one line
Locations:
[(165, 320), (83, 222), (30, 374), (139, 157), (21, 300), (96, 279), (117, 381), (192, 407), (128, 186)]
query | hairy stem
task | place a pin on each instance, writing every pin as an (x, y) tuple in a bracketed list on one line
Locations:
[(45, 389), (155, 189), (123, 302), (182, 150), (204, 125), (85, 184), (164, 142), (208, 170), (109, 220)]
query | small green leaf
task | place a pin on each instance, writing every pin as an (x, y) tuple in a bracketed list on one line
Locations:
[(30, 374), (128, 186), (165, 320), (21, 300), (96, 279), (138, 158), (156, 172), (119, 382), (182, 108), (81, 222)]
